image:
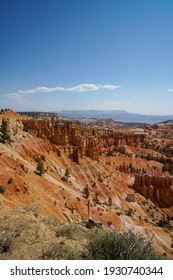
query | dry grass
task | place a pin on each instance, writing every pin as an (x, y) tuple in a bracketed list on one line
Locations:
[(24, 235)]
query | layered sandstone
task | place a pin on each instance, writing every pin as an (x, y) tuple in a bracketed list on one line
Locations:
[(88, 141), (83, 142), (78, 141), (155, 187), (14, 121)]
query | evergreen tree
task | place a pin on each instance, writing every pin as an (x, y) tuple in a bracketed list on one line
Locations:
[(25, 127), (40, 168), (4, 134), (96, 198), (110, 201), (67, 173), (86, 191)]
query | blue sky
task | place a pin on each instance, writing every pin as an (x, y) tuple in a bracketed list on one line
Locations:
[(87, 54)]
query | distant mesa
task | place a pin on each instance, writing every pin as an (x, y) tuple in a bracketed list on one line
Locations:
[(117, 115)]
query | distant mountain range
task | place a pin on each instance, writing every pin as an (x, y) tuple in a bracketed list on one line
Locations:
[(117, 115)]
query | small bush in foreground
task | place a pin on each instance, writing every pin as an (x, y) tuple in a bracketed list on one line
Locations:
[(120, 246), (63, 251), (5, 243), (71, 231), (51, 221)]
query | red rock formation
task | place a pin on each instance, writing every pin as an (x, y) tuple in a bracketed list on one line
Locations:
[(123, 138), (14, 121), (130, 139), (160, 188), (88, 141), (67, 133)]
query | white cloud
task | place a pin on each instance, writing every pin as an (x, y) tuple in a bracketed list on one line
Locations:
[(41, 89), (83, 88), (46, 89), (26, 91), (170, 89), (78, 88), (14, 95), (109, 87)]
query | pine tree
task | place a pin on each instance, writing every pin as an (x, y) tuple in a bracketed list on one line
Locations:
[(86, 191), (67, 173), (96, 198), (40, 168), (110, 201), (4, 134)]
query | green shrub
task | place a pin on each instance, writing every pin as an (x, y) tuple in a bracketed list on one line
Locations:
[(96, 198), (130, 212), (4, 133), (5, 243), (120, 246), (51, 221), (2, 189), (10, 180), (86, 191), (164, 221), (110, 201), (25, 127), (63, 251), (40, 168), (71, 231)]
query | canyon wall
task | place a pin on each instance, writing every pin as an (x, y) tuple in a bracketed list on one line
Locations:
[(120, 139), (155, 187), (82, 141), (88, 141)]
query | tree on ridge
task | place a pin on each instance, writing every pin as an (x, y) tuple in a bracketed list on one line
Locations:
[(4, 133)]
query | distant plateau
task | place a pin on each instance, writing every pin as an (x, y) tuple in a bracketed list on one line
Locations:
[(117, 115)]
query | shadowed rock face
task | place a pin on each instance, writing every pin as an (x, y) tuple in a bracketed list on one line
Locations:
[(155, 187)]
